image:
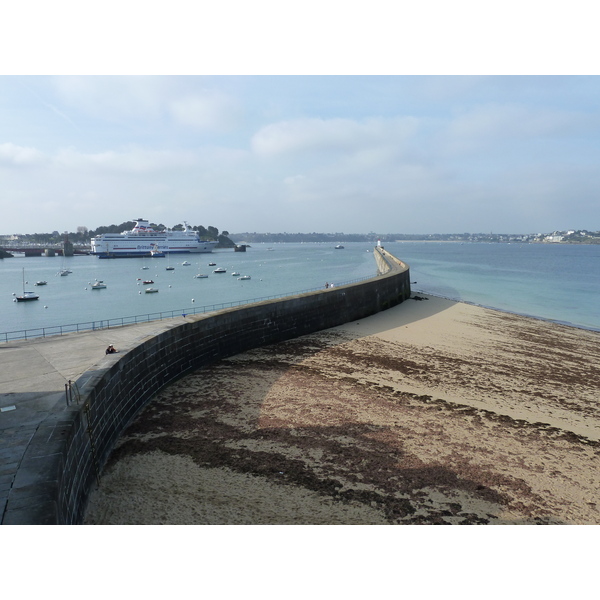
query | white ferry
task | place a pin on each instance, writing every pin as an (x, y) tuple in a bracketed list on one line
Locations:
[(143, 240)]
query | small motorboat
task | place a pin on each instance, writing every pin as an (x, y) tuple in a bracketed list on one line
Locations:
[(244, 278), (211, 264), (151, 290), (339, 247), (98, 285), (185, 263), (41, 283), (199, 276), (147, 281), (156, 253), (235, 274), (220, 270)]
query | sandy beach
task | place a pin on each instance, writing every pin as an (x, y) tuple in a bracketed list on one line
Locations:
[(432, 412)]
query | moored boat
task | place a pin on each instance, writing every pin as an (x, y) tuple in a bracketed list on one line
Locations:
[(156, 253), (26, 296), (220, 270)]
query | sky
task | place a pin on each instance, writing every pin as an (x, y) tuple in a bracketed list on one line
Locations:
[(299, 151)]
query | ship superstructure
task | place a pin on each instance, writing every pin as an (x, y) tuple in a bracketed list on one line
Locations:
[(143, 240)]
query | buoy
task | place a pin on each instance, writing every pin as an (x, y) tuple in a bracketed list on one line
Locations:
[(45, 306), (193, 300)]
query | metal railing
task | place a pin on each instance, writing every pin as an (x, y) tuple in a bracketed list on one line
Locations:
[(42, 332)]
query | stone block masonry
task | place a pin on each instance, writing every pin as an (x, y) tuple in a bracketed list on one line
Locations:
[(69, 449)]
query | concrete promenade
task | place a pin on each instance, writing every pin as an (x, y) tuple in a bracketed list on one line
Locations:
[(33, 375)]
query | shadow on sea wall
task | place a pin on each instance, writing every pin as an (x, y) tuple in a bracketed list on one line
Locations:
[(108, 399)]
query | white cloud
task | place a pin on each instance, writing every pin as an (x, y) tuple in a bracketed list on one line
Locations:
[(134, 160), (114, 98), (151, 98), (495, 122), (337, 135), (20, 156), (210, 110)]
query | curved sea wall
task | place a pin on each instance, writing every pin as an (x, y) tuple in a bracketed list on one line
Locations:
[(110, 397)]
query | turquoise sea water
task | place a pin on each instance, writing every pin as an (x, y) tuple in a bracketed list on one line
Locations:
[(550, 281), (559, 282)]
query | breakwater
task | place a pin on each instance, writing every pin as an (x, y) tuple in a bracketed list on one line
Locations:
[(70, 447)]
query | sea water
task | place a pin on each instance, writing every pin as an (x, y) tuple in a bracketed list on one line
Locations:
[(558, 282), (278, 270)]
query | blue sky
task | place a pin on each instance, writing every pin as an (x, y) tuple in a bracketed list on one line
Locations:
[(300, 153)]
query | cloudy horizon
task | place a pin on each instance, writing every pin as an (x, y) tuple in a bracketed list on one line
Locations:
[(352, 154)]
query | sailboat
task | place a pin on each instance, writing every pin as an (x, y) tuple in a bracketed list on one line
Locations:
[(169, 267), (27, 295), (200, 275), (63, 270)]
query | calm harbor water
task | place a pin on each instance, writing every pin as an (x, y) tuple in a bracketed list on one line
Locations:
[(285, 269), (550, 281)]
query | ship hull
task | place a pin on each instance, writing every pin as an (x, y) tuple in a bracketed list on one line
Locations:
[(146, 253)]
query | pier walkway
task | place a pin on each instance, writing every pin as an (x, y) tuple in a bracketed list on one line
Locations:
[(50, 449), (33, 376)]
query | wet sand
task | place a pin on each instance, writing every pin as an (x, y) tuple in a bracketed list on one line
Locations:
[(432, 412)]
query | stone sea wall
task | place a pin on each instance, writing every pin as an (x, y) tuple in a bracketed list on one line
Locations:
[(109, 398)]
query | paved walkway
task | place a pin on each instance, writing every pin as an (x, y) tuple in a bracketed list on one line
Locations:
[(33, 375)]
